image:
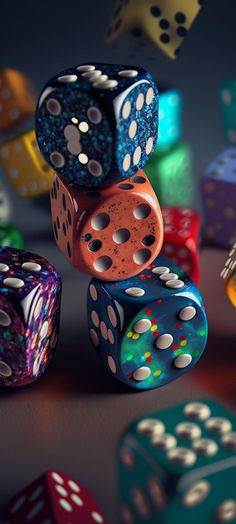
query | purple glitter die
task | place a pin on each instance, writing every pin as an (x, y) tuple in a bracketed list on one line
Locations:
[(30, 293)]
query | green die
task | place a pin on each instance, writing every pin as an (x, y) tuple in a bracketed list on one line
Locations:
[(11, 237), (228, 110), (170, 173), (179, 466)]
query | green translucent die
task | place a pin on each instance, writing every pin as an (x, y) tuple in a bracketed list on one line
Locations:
[(170, 173), (11, 237), (179, 466), (228, 110)]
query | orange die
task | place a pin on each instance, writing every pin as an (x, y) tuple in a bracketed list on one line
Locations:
[(229, 275), (112, 233), (17, 100), (25, 167)]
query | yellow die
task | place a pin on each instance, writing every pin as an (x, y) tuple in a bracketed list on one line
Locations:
[(166, 22), (25, 167), (229, 274)]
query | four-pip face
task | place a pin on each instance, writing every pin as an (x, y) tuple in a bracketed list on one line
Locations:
[(97, 123)]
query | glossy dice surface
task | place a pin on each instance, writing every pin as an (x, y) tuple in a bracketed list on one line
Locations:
[(5, 206), (218, 191), (11, 237), (150, 329), (25, 167), (229, 275), (228, 110), (181, 237), (54, 498), (170, 173), (97, 123), (30, 290), (17, 100), (170, 117), (112, 233), (179, 465), (166, 22)]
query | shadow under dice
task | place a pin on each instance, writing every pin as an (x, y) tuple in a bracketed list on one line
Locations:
[(97, 124), (30, 291), (179, 465), (150, 329), (112, 233)]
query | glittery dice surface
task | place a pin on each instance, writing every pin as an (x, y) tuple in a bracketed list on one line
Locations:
[(228, 110), (218, 190), (149, 329), (179, 465), (229, 275), (166, 22), (54, 498), (111, 234), (170, 117), (30, 290), (97, 123)]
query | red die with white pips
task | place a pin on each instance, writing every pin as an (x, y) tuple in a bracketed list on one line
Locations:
[(53, 498), (181, 238)]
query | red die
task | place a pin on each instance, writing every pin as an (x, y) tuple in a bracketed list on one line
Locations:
[(53, 499), (181, 234)]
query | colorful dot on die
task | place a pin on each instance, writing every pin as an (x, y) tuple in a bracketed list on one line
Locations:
[(156, 333), (159, 301), (130, 334), (201, 332), (195, 353), (129, 357), (148, 312), (178, 352), (183, 337), (135, 336), (179, 325), (175, 346), (154, 321), (154, 327), (183, 343), (142, 276), (130, 375), (149, 360), (157, 372), (147, 354)]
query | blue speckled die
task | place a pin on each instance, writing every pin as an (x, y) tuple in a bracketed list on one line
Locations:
[(97, 123), (170, 117), (30, 292), (150, 329)]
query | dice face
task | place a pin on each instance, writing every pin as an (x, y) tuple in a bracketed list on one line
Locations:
[(149, 329), (112, 233), (30, 290), (228, 110), (54, 498), (179, 465), (11, 237), (170, 117), (181, 236), (170, 173), (229, 275), (218, 191), (17, 100), (97, 123), (5, 206), (25, 167), (166, 22)]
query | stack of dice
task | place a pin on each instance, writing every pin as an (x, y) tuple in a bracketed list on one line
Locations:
[(97, 126)]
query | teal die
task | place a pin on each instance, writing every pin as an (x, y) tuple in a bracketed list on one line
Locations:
[(228, 110), (170, 117), (179, 466), (170, 173)]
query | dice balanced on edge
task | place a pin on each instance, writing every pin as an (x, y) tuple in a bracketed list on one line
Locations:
[(97, 123), (179, 465), (149, 329), (54, 498), (30, 291)]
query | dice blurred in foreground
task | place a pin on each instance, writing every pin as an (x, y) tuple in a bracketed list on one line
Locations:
[(170, 117), (11, 237), (228, 110), (229, 275), (5, 205), (179, 465), (17, 99)]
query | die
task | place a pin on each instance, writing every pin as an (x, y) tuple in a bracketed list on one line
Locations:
[(181, 238), (166, 22), (54, 498), (11, 237), (170, 117), (5, 206), (218, 192), (228, 110), (25, 167), (179, 465), (228, 273), (97, 124), (112, 233), (17, 99), (30, 291), (149, 329), (170, 173)]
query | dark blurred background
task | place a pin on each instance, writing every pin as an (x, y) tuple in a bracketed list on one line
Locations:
[(72, 418)]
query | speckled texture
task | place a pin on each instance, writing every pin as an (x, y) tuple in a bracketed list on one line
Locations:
[(123, 349), (29, 316), (129, 235), (81, 116), (154, 489)]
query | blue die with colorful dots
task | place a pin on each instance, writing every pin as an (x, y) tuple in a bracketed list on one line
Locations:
[(97, 123), (149, 329), (170, 117)]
